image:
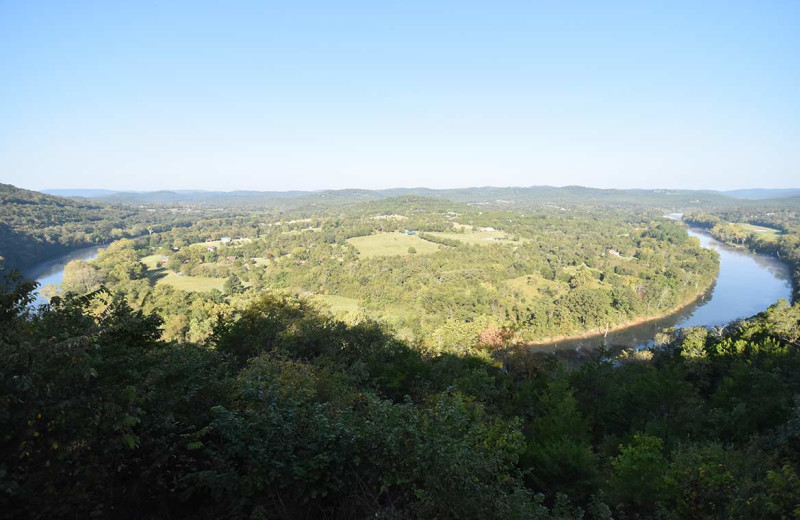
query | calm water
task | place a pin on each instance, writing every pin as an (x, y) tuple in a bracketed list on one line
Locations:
[(52, 271), (747, 284)]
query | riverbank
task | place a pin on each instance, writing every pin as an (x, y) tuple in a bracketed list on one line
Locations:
[(598, 333), (746, 284), (50, 272)]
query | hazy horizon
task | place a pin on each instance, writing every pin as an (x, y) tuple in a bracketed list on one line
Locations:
[(101, 189), (276, 97)]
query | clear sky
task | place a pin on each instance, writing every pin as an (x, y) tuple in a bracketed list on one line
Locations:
[(285, 95)]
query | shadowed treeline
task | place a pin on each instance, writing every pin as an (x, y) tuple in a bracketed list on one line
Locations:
[(287, 413)]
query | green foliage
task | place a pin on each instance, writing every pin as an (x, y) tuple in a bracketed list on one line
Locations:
[(559, 452), (233, 285), (289, 413), (129, 398), (638, 479), (35, 226)]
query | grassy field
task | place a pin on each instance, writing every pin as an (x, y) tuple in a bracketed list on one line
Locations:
[(191, 283), (759, 230), (339, 304), (534, 286), (218, 243), (481, 238), (161, 275), (298, 231), (151, 262), (391, 244), (390, 217)]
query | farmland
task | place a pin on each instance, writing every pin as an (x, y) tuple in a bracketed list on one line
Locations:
[(391, 244)]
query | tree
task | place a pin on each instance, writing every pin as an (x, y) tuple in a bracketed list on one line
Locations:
[(80, 278), (233, 285), (639, 477)]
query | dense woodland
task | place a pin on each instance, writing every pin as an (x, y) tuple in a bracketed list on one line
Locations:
[(363, 360), (287, 413)]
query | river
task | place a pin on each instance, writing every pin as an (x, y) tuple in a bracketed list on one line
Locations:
[(52, 271), (747, 284)]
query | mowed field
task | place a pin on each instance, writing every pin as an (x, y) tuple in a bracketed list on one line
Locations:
[(534, 286), (760, 230), (391, 244), (191, 283), (161, 275), (339, 304), (481, 238)]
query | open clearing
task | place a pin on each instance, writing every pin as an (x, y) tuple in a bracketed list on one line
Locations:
[(298, 231), (481, 238), (391, 244), (191, 283), (151, 262), (217, 243), (760, 230), (339, 304), (161, 276), (534, 286)]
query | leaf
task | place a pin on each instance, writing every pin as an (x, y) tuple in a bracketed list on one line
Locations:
[(130, 440)]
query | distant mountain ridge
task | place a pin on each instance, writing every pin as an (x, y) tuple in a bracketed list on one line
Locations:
[(473, 195), (763, 193)]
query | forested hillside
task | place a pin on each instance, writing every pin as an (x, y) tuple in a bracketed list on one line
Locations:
[(284, 412), (35, 226)]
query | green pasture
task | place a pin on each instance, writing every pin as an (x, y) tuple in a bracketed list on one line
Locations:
[(534, 286), (161, 276), (391, 244), (151, 262), (218, 243), (480, 238), (191, 283), (759, 230), (339, 304)]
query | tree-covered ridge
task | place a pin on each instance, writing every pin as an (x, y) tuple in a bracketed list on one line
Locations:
[(35, 226), (437, 273), (285, 412), (496, 197)]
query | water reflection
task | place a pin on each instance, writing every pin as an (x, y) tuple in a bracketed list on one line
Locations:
[(747, 284)]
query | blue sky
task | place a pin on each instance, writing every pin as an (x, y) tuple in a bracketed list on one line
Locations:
[(315, 95)]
